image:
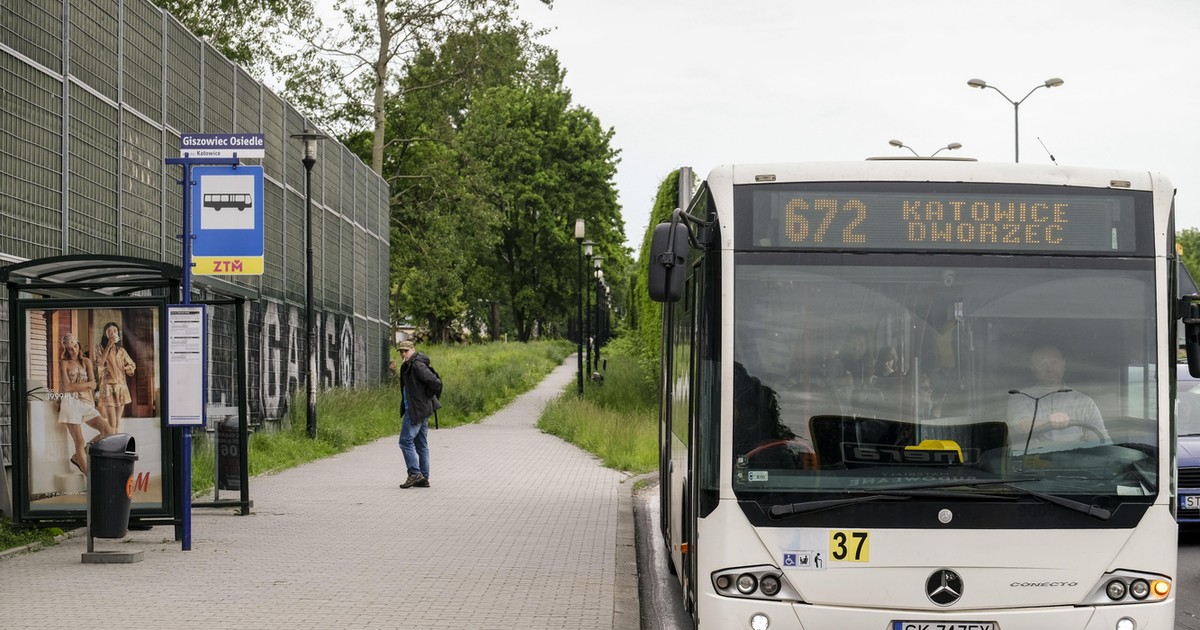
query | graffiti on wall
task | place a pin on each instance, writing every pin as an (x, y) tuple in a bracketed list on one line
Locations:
[(282, 354), (278, 356)]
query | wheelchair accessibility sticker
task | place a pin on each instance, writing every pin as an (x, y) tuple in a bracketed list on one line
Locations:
[(808, 560)]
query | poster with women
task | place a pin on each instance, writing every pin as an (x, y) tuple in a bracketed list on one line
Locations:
[(89, 373)]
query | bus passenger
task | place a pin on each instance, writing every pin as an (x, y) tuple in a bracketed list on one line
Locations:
[(850, 366), (1064, 415), (886, 363)]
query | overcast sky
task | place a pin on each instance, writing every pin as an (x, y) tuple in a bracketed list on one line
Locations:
[(707, 82)]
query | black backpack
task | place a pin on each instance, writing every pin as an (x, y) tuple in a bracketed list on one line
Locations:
[(435, 389)]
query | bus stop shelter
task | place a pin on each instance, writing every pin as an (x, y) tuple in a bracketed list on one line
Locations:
[(81, 298)]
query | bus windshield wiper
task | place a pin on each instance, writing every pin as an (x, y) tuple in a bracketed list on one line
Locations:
[(780, 511), (938, 490), (1094, 511), (933, 490), (1091, 510)]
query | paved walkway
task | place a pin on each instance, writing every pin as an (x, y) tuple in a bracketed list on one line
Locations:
[(519, 530)]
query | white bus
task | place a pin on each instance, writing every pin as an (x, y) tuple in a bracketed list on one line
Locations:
[(920, 394)]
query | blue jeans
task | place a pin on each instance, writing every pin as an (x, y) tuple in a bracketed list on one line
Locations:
[(414, 443)]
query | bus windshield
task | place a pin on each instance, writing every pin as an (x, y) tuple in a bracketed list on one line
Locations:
[(871, 372)]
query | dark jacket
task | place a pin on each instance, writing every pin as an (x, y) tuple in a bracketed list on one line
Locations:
[(415, 381)]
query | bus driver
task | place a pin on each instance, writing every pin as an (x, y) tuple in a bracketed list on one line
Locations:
[(1064, 416)]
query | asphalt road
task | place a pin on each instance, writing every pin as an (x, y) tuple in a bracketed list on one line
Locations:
[(659, 592), (1187, 584)]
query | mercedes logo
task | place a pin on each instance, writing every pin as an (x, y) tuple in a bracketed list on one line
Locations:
[(944, 587)]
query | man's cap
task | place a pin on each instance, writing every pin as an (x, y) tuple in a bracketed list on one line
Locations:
[(405, 345)]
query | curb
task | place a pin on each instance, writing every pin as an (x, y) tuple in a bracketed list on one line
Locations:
[(627, 611)]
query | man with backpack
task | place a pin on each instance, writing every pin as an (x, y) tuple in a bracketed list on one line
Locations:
[(420, 387)]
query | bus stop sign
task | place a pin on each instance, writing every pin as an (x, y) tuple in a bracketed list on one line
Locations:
[(227, 220)]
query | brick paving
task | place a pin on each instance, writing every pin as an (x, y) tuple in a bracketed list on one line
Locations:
[(519, 530)]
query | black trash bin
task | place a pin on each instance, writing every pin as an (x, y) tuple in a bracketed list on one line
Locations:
[(110, 491), (229, 466)]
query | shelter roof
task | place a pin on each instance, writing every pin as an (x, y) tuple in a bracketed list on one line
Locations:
[(107, 275)]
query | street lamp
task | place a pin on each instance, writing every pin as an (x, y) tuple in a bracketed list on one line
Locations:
[(1048, 83), (580, 228), (900, 145), (596, 260), (587, 327), (310, 138), (949, 147)]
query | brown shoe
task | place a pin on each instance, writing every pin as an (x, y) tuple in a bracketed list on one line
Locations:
[(413, 479), (423, 483)]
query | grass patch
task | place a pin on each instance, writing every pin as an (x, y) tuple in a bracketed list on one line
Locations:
[(11, 537), (617, 421)]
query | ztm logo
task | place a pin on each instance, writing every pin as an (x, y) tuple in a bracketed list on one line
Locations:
[(227, 266)]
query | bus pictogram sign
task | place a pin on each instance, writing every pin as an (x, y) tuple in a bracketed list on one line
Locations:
[(227, 220)]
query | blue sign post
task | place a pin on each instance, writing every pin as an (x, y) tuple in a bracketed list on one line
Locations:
[(188, 163)]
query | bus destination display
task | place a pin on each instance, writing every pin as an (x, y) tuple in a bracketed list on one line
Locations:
[(942, 221)]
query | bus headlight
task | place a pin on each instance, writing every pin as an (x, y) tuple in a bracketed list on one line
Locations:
[(1129, 587), (747, 583), (769, 585), (762, 581)]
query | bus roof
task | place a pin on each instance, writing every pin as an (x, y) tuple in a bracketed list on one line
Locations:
[(937, 170)]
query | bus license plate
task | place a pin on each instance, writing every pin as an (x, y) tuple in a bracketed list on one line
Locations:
[(945, 625), (1191, 502)]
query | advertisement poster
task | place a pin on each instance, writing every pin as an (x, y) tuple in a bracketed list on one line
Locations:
[(90, 373)]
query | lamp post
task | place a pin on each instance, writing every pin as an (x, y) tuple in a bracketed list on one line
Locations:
[(580, 228), (596, 260), (1048, 83), (310, 139), (900, 145), (587, 326), (607, 312)]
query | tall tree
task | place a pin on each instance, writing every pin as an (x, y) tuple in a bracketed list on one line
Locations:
[(382, 38), (542, 164), (247, 32), (440, 226), (1188, 241)]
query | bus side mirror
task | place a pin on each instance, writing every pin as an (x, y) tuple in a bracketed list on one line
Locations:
[(668, 262), (1189, 313)]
